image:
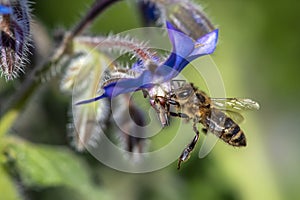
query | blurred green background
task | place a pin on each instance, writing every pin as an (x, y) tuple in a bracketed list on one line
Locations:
[(257, 55)]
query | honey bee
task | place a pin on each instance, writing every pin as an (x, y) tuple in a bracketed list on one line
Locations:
[(217, 115)]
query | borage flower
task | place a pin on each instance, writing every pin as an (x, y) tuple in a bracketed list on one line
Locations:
[(184, 51)]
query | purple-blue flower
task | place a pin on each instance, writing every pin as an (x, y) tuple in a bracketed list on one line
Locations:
[(185, 50), (15, 37)]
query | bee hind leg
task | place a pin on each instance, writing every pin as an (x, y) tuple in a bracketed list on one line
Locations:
[(185, 155)]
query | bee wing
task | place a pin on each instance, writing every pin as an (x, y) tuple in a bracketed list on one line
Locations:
[(235, 116), (234, 104)]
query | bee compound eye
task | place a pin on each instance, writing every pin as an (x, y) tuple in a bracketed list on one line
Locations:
[(184, 94)]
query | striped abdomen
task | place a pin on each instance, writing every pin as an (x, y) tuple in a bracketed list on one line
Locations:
[(218, 123)]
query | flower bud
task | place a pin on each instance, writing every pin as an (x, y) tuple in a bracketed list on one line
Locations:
[(185, 16), (82, 69), (14, 36)]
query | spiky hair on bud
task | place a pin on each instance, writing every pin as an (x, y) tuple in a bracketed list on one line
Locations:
[(123, 44), (14, 37)]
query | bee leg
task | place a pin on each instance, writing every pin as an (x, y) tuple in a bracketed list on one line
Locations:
[(145, 93), (162, 110), (185, 155), (181, 115), (172, 102), (204, 130)]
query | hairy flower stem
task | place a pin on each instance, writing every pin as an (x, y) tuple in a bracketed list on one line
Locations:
[(139, 49), (32, 83), (96, 9)]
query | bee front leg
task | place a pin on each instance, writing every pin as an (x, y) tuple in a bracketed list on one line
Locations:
[(181, 115), (185, 155), (174, 103)]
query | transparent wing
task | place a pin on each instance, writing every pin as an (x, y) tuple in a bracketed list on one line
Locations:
[(235, 116), (234, 104)]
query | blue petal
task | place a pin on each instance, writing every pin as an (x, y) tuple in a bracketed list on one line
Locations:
[(123, 86), (89, 100), (182, 47), (182, 44), (176, 62), (205, 45), (5, 10), (184, 51), (171, 68)]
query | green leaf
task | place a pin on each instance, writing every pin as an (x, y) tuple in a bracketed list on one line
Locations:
[(45, 166), (6, 121), (8, 190)]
